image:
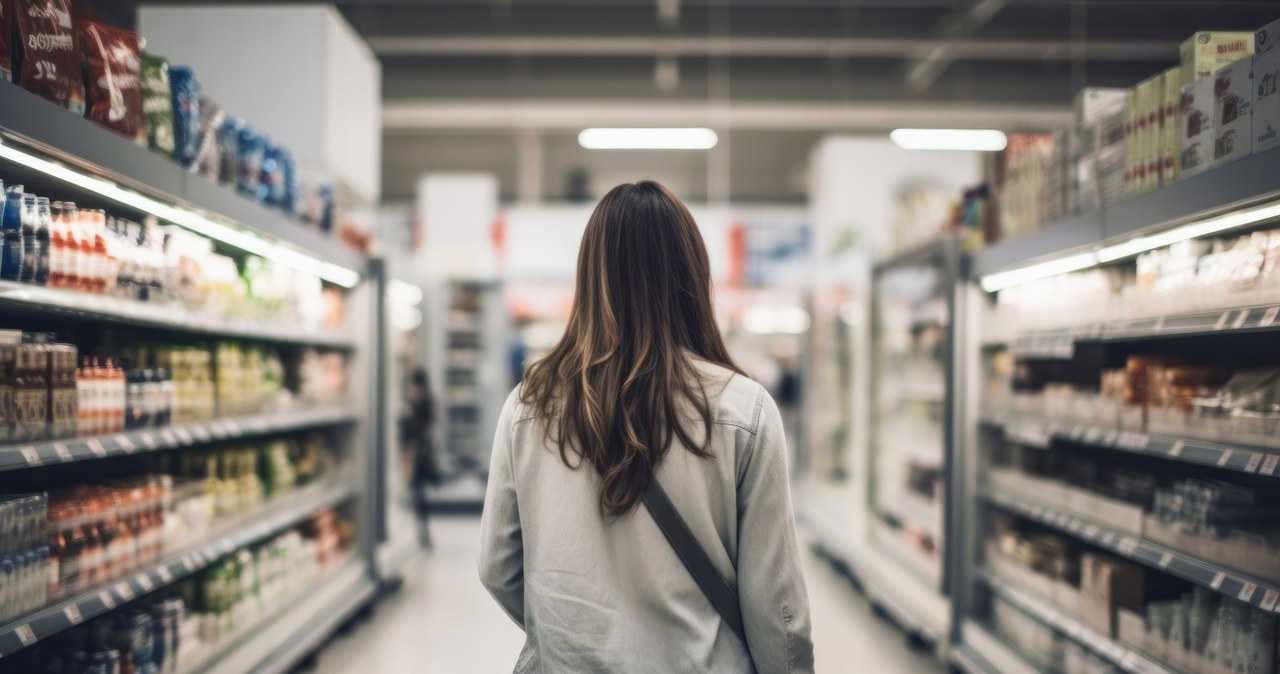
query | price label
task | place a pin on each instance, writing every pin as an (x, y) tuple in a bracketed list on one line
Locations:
[(201, 433), (95, 446), (63, 453), (1165, 560), (30, 455), (1269, 600), (1226, 457), (1246, 594), (184, 436), (125, 443), (1222, 320), (1128, 545), (227, 546), (25, 634), (107, 600), (144, 580), (1111, 437), (233, 428), (1255, 460), (1218, 580), (218, 431), (1074, 526), (124, 591), (1270, 464), (1176, 449), (168, 438), (72, 612), (166, 576), (1240, 319), (1110, 539), (1091, 531), (148, 440), (1269, 317)]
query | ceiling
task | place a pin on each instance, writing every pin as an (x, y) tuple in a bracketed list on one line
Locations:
[(504, 85)]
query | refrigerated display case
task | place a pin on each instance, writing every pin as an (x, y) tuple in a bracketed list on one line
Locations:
[(1119, 477), (219, 421)]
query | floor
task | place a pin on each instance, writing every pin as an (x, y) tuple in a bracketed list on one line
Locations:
[(443, 621)]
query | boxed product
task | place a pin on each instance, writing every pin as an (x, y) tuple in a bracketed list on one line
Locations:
[(113, 70), (1100, 148), (1266, 99), (1171, 117), (1206, 51), (1131, 141), (1233, 111), (47, 53), (1109, 584), (1056, 203), (1197, 142), (1145, 97)]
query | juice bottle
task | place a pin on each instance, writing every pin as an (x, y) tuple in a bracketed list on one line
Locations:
[(30, 246), (84, 251), (11, 231), (44, 222), (101, 266), (70, 246)]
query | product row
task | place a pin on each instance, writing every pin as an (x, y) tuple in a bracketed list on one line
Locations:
[(83, 533), (1218, 105), (59, 245), (53, 390), (180, 627)]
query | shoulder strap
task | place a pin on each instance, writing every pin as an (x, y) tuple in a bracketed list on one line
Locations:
[(719, 592)]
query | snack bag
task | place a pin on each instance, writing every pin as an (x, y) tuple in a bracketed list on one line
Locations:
[(157, 104), (6, 52), (251, 151), (114, 75), (208, 162), (186, 114), (47, 50), (229, 149)]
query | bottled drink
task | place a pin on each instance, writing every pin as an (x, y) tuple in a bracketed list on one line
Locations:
[(44, 223), (101, 264), (30, 247), (70, 245), (84, 251), (11, 232)]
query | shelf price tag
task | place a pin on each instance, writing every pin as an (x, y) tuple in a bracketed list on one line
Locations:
[(1269, 317), (1218, 579), (125, 592), (25, 634), (166, 576), (148, 440), (1270, 600), (1128, 545), (63, 453), (1165, 560), (189, 563), (1240, 319), (95, 446), (72, 612), (201, 433), (125, 443), (1226, 457), (107, 600), (1246, 594), (1269, 464), (144, 580), (1176, 449), (1222, 320), (1255, 460), (168, 438), (185, 437), (30, 455)]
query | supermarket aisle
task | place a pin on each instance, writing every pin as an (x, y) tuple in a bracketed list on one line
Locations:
[(444, 622)]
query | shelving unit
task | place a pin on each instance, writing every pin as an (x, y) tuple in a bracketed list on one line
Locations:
[(55, 152), (1166, 443)]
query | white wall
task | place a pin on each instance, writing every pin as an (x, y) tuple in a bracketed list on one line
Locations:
[(457, 212)]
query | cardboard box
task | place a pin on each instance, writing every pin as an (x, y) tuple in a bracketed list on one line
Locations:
[(1266, 92), (1196, 139), (1100, 148), (1170, 151), (1109, 584), (1206, 51), (1233, 111), (1131, 141)]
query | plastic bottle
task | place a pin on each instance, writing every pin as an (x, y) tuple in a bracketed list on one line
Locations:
[(66, 249), (83, 246), (43, 224), (56, 242), (30, 245), (11, 231), (102, 265)]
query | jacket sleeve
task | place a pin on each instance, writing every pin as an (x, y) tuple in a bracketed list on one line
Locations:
[(501, 543), (775, 601)]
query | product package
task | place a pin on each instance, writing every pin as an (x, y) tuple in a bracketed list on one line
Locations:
[(48, 52), (1197, 140), (251, 150), (1171, 114), (1266, 94), (208, 161), (186, 115), (1233, 111), (113, 70), (157, 104), (1206, 51), (229, 149), (6, 51), (271, 178), (1100, 148)]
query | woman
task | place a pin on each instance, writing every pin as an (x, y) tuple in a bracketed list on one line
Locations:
[(417, 434), (641, 388)]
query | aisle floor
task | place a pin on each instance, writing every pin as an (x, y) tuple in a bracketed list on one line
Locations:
[(442, 621)]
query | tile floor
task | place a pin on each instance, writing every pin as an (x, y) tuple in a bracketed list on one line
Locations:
[(442, 621)]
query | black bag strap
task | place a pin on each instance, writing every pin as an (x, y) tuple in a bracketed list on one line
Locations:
[(719, 592)]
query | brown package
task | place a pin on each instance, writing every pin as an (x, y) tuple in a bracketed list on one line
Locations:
[(114, 76), (48, 56), (1109, 584), (6, 48)]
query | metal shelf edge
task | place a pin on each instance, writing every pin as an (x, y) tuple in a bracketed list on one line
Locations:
[(49, 621)]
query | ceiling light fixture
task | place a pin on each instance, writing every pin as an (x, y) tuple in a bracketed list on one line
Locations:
[(648, 139), (974, 140), (405, 293), (188, 219)]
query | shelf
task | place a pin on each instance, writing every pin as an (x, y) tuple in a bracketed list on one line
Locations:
[(277, 640), (926, 253), (981, 652), (1260, 594), (157, 315), (1124, 657), (1227, 456), (254, 526), (1059, 344), (1221, 189), (53, 452), (33, 121)]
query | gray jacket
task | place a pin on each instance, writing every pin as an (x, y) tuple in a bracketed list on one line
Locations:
[(595, 595)]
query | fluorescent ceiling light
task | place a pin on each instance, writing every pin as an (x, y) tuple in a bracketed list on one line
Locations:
[(405, 293), (188, 219), (647, 139), (976, 140), (1007, 279)]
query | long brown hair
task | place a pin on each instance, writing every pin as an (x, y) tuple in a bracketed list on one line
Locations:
[(616, 390)]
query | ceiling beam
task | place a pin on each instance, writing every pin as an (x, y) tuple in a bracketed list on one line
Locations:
[(998, 50), (476, 115), (922, 73)]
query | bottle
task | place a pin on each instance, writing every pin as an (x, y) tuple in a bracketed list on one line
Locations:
[(43, 224), (84, 251), (56, 241), (83, 388), (70, 244), (101, 262), (117, 396), (136, 400), (30, 247), (164, 404), (11, 231)]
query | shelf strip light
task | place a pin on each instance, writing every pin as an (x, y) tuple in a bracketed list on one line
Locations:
[(1119, 251), (405, 293), (239, 239)]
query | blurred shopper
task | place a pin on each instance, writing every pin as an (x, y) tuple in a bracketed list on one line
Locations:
[(417, 433), (635, 424)]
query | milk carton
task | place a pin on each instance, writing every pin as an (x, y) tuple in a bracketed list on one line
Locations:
[(1266, 100), (1233, 111), (1196, 139)]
